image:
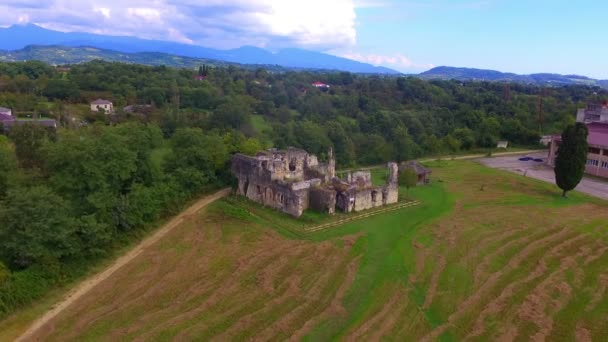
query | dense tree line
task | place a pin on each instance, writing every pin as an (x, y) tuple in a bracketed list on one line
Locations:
[(72, 194), (368, 119)]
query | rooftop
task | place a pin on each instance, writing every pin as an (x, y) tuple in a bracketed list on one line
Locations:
[(4, 109), (6, 117), (101, 102), (416, 166), (598, 133)]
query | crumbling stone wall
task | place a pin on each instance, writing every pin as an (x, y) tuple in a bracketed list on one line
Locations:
[(323, 200), (293, 180)]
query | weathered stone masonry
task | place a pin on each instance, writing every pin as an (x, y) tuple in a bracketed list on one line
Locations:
[(292, 181)]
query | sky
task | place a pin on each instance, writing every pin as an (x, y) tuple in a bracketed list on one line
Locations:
[(518, 36)]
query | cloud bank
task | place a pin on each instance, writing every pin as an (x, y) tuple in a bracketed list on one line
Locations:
[(396, 61), (314, 24)]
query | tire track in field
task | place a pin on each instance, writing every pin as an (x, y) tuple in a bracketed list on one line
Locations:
[(477, 296), (538, 306), (246, 321), (368, 325), (522, 240), (430, 295), (389, 321), (599, 294), (317, 253), (219, 291), (314, 296), (495, 306), (335, 307)]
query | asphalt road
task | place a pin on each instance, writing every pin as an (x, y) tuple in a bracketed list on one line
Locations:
[(540, 170)]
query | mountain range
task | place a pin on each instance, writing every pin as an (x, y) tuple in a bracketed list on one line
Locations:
[(545, 79), (17, 37), (32, 42)]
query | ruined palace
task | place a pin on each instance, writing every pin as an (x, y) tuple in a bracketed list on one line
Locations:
[(293, 180)]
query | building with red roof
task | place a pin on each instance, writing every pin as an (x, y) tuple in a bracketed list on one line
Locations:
[(597, 156), (320, 85)]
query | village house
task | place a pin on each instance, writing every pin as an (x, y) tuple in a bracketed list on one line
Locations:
[(8, 121), (293, 180), (597, 155), (102, 104), (321, 85), (595, 112), (6, 111), (502, 144), (421, 172)]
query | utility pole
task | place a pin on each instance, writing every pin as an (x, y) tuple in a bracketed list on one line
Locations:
[(541, 110)]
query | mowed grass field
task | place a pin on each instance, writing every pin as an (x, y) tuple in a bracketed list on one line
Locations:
[(487, 255)]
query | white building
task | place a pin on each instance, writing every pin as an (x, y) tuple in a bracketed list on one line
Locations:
[(102, 104), (593, 113), (6, 111)]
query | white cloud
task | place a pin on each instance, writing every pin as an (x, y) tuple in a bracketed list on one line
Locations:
[(397, 61), (318, 24)]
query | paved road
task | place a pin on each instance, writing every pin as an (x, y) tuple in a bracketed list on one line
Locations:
[(590, 186), (93, 281), (467, 156)]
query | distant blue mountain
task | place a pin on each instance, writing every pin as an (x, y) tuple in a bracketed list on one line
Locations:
[(544, 79), (18, 37)]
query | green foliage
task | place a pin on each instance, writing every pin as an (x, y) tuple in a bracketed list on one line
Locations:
[(465, 136), (451, 144), (7, 164), (571, 157), (28, 139), (194, 159), (35, 225), (408, 178), (4, 273)]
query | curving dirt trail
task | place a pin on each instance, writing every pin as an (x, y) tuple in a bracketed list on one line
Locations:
[(85, 286)]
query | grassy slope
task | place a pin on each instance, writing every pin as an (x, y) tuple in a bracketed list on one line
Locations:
[(435, 269)]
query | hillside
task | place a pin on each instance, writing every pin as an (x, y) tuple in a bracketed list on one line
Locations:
[(471, 74), (59, 55), (18, 37)]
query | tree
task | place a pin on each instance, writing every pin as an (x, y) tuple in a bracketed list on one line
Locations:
[(29, 139), (465, 136), (194, 158), (35, 225), (408, 178), (432, 145), (571, 157), (451, 143), (233, 114), (7, 163)]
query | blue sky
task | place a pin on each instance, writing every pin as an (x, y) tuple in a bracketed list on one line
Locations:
[(531, 36), (411, 36)]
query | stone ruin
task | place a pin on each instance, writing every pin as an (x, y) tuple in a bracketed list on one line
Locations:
[(292, 181)]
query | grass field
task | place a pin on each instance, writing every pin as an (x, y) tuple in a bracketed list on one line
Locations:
[(486, 255)]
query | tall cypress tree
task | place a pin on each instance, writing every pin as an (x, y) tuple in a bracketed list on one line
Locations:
[(571, 157)]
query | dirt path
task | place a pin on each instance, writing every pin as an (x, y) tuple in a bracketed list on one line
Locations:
[(84, 287)]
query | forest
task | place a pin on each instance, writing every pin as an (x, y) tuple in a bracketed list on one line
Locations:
[(73, 195)]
